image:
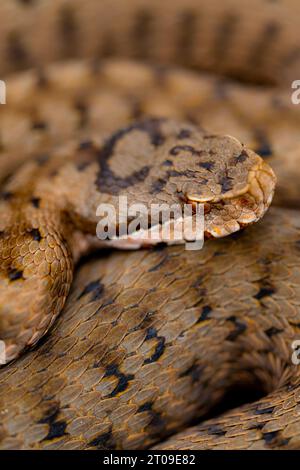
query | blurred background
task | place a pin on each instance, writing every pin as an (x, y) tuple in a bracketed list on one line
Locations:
[(202, 34)]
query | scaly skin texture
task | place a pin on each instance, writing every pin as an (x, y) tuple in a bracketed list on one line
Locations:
[(124, 359), (146, 335)]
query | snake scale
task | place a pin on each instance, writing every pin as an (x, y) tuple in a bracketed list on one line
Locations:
[(149, 341)]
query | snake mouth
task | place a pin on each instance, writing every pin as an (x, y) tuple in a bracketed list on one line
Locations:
[(234, 210)]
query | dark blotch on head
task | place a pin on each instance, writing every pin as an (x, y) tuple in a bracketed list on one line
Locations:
[(184, 148), (226, 183), (107, 181), (157, 186), (210, 136), (241, 157), (184, 134)]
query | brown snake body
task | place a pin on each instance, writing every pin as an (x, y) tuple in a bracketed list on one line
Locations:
[(147, 334)]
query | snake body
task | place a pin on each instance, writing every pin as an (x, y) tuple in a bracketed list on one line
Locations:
[(147, 334)]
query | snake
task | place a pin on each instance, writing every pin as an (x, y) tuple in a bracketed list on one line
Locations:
[(161, 102)]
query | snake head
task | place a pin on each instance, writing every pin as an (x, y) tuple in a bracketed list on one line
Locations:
[(164, 161), (235, 185)]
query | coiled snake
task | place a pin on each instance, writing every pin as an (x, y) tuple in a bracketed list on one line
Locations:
[(149, 341)]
